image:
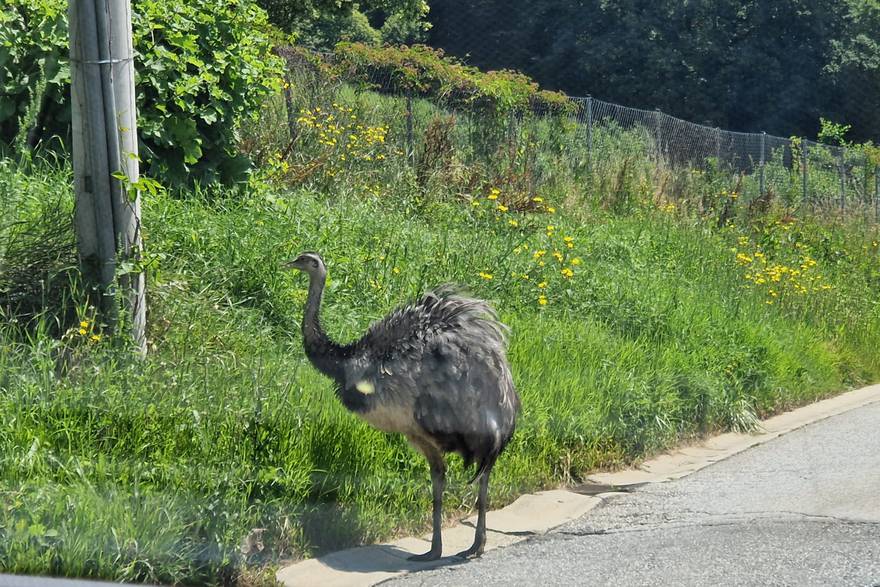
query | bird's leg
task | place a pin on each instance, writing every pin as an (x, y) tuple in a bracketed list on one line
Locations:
[(480, 535), (438, 484)]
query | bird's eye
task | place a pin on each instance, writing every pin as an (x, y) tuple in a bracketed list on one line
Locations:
[(314, 263)]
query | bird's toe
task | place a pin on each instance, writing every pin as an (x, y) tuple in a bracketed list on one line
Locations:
[(431, 555), (472, 552)]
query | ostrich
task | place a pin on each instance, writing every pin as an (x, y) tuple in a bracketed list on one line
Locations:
[(435, 371)]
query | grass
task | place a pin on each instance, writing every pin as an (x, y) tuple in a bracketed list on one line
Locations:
[(159, 470)]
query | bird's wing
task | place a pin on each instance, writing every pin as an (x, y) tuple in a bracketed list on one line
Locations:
[(460, 399)]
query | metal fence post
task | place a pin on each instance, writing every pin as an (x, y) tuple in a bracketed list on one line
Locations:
[(842, 180), (657, 147), (717, 148), (877, 192), (804, 168), (410, 147), (761, 176), (590, 136)]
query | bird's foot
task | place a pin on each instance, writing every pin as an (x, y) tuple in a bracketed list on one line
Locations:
[(474, 551), (431, 555)]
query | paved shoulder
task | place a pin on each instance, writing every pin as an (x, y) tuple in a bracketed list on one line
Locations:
[(803, 509)]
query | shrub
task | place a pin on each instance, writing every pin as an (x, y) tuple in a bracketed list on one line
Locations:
[(33, 49), (422, 71), (202, 68)]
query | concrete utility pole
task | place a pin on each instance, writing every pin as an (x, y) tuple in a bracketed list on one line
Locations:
[(104, 149)]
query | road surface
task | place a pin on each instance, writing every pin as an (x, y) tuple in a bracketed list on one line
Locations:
[(803, 509)]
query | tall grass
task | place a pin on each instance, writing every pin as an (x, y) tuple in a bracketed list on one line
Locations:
[(636, 323)]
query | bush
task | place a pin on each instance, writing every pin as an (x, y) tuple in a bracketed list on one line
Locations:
[(202, 68), (422, 71), (33, 49)]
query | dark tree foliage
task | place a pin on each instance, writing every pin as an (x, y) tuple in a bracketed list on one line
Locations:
[(321, 24), (771, 65)]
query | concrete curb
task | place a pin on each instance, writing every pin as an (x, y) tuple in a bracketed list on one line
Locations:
[(536, 514)]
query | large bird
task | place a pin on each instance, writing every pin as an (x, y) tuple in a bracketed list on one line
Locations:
[(435, 371)]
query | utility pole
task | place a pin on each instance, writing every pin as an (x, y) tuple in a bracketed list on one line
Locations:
[(105, 162)]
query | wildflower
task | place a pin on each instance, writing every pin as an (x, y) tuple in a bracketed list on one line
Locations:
[(513, 223), (569, 242), (542, 285), (551, 209), (82, 331), (95, 338), (396, 270), (501, 208), (475, 203), (567, 273), (558, 256), (84, 324), (486, 276), (538, 254), (493, 194), (537, 199), (576, 261), (542, 300)]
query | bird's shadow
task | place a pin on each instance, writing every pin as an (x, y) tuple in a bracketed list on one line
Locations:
[(382, 558)]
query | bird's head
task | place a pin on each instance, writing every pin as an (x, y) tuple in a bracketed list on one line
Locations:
[(308, 262)]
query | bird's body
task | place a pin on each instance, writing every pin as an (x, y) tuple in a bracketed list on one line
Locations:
[(435, 371)]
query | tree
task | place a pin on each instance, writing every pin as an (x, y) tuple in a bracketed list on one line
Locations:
[(323, 23), (771, 65)]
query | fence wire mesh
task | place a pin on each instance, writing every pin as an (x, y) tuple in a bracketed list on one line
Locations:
[(581, 141)]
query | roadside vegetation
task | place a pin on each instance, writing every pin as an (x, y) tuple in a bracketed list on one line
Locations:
[(648, 304)]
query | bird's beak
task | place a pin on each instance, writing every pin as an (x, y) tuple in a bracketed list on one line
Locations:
[(288, 265)]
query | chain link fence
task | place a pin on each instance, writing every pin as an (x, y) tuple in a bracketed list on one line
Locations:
[(592, 141)]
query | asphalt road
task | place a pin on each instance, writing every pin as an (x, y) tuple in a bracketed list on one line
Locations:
[(803, 509)]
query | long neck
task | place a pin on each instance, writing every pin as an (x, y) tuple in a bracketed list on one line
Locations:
[(325, 355)]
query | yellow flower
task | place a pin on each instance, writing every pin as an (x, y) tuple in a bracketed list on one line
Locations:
[(82, 331), (539, 254), (542, 300), (537, 199), (95, 338), (513, 223), (567, 273), (501, 208), (558, 256), (576, 261), (84, 324), (486, 276), (542, 285), (396, 270), (551, 209)]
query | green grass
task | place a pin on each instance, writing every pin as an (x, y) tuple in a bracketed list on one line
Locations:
[(156, 470)]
